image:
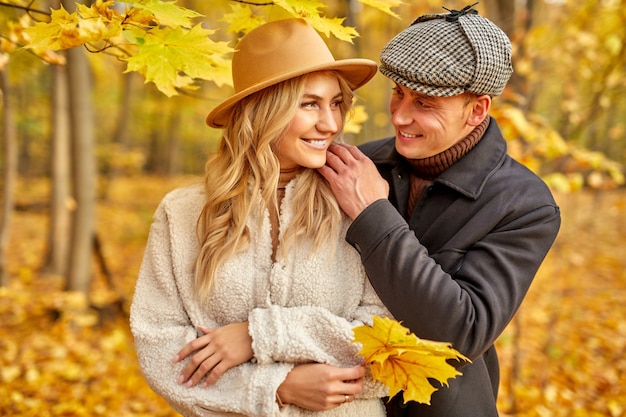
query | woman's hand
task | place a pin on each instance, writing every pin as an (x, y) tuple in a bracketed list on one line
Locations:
[(320, 387), (214, 353)]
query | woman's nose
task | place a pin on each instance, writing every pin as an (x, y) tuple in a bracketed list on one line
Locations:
[(329, 120)]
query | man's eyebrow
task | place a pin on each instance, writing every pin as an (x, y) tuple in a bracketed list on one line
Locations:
[(414, 93), (418, 94)]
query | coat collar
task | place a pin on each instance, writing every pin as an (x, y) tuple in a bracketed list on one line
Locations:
[(468, 176)]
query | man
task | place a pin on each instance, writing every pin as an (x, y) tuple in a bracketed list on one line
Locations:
[(451, 229)]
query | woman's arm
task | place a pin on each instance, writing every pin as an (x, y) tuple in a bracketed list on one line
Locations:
[(306, 334), (161, 327), (282, 334)]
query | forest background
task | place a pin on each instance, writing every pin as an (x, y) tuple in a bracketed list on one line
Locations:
[(89, 150)]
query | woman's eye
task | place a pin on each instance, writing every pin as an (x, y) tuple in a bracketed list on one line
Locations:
[(308, 104)]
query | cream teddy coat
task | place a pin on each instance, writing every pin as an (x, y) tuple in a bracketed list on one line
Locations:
[(300, 309)]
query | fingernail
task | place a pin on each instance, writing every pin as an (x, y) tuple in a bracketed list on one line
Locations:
[(181, 379), (176, 359)]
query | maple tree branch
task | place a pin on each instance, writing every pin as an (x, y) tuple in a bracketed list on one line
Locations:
[(25, 8), (269, 3)]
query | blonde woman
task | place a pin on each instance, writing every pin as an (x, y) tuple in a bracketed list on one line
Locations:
[(248, 292)]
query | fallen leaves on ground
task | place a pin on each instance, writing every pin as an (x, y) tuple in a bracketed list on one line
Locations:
[(62, 354)]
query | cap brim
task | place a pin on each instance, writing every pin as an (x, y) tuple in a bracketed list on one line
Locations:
[(429, 90), (357, 72)]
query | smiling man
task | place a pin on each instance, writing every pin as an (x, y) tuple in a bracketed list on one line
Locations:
[(451, 230)]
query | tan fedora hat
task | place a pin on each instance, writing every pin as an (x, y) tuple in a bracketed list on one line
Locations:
[(278, 51)]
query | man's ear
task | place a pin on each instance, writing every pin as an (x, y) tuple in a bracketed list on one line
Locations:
[(480, 109)]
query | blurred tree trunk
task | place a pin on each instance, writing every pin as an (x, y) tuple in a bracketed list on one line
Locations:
[(120, 135), (9, 132), (59, 231), (83, 167), (172, 156), (502, 13), (515, 19)]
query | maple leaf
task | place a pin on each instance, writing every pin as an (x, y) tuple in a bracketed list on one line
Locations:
[(167, 13), (67, 30), (404, 362), (384, 5), (60, 33), (94, 26), (241, 19), (310, 10), (171, 57), (333, 26)]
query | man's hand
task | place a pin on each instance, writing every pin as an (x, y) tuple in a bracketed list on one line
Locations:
[(354, 179), (214, 353), (320, 387)]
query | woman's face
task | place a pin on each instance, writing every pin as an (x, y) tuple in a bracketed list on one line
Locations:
[(315, 125)]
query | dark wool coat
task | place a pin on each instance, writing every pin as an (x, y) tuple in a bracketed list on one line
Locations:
[(459, 267)]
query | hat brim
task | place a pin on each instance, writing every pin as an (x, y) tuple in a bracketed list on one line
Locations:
[(357, 72)]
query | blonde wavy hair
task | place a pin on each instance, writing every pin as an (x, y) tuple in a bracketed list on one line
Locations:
[(245, 169)]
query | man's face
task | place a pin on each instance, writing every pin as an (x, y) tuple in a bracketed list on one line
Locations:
[(428, 125)]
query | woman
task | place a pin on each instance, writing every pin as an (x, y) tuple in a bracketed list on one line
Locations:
[(248, 282)]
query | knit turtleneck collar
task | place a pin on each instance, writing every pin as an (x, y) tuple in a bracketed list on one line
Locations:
[(430, 168)]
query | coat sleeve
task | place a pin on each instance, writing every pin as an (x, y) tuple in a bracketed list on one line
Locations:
[(161, 327), (314, 334), (470, 308)]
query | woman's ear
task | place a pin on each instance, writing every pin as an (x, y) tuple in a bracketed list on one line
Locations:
[(480, 109)]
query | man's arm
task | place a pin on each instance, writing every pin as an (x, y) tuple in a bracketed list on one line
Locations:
[(469, 306)]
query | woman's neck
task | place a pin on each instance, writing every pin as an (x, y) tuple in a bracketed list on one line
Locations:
[(287, 175)]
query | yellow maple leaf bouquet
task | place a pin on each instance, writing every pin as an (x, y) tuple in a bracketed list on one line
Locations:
[(404, 362)]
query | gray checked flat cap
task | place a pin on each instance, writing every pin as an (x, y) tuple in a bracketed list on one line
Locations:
[(447, 54)]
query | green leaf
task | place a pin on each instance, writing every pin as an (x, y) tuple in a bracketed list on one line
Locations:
[(171, 57)]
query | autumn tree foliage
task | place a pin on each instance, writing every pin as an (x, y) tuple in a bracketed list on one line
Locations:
[(169, 45)]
